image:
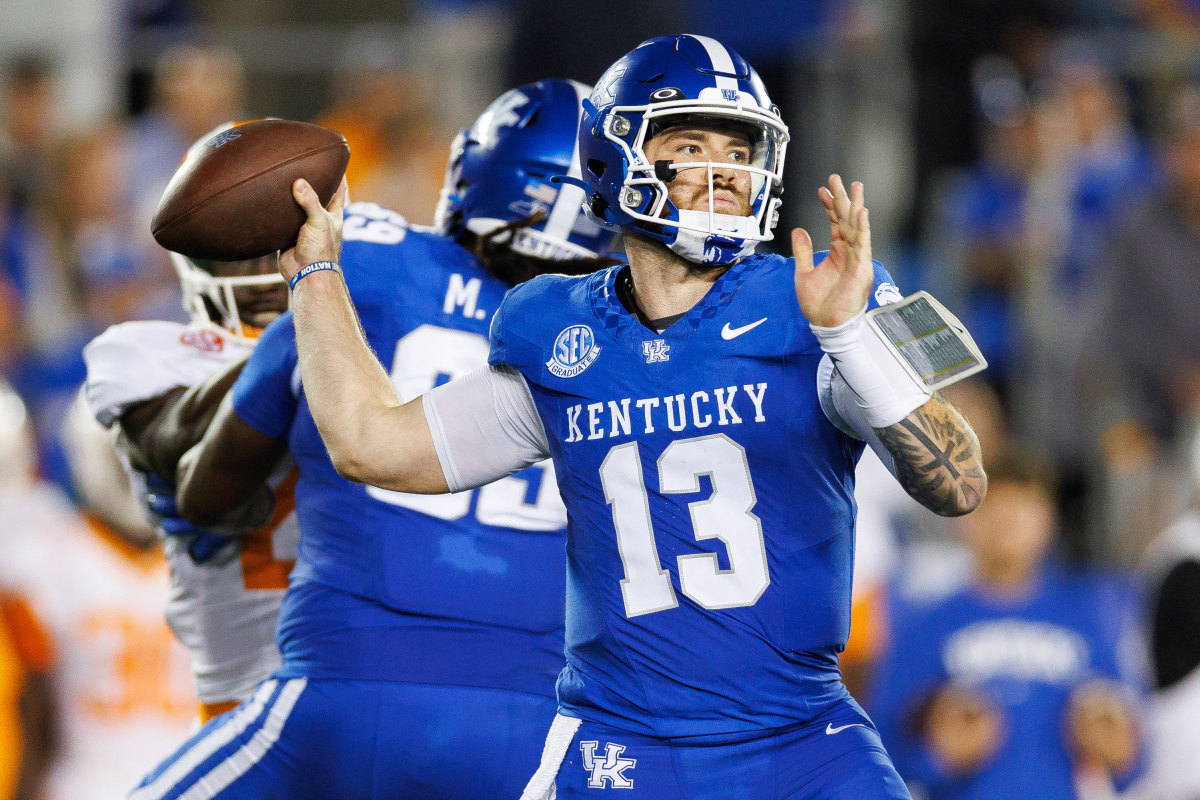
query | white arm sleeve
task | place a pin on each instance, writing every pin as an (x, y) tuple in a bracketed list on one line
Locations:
[(485, 426), (842, 409)]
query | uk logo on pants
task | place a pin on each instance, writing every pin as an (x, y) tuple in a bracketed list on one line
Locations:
[(610, 768)]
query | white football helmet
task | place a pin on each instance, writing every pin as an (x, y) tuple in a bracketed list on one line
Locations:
[(210, 300)]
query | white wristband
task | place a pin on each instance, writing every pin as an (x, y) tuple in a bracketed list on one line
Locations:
[(883, 388)]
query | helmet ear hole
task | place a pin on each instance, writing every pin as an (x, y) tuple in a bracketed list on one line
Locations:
[(596, 167), (599, 208)]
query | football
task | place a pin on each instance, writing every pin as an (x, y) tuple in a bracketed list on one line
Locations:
[(231, 198)]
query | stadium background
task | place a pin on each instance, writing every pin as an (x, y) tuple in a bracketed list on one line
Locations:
[(1006, 147)]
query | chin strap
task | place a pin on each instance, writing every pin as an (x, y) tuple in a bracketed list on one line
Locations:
[(725, 244)]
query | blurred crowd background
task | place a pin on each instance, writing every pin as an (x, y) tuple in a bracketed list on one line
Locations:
[(1035, 164)]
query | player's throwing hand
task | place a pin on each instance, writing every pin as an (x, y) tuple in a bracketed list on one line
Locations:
[(321, 235), (836, 289)]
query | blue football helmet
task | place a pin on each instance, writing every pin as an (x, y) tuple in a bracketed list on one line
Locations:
[(500, 173), (667, 81)]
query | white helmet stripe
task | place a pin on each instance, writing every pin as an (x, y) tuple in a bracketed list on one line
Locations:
[(569, 203), (721, 61)]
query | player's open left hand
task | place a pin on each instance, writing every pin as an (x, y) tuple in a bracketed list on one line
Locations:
[(836, 289), (320, 237)]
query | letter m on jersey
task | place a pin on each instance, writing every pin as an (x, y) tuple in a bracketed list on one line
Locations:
[(611, 768), (465, 295)]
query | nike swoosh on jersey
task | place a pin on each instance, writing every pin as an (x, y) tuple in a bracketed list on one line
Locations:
[(830, 730), (728, 333)]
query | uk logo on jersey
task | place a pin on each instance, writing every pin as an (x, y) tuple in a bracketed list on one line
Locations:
[(656, 351), (611, 768), (574, 351)]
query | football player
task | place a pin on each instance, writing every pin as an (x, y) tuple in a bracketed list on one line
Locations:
[(160, 383), (97, 580), (421, 635), (704, 407)]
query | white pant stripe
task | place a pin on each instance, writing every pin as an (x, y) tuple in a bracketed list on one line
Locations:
[(558, 742), (203, 748), (250, 753), (721, 61)]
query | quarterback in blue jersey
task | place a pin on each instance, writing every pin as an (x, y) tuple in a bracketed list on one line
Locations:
[(704, 407), (421, 636)]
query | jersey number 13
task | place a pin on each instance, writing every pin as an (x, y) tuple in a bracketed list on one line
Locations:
[(726, 515)]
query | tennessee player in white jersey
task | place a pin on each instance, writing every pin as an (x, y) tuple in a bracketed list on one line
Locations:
[(96, 581), (161, 382)]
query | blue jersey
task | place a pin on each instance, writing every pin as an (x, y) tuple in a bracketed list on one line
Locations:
[(710, 501), (1025, 655), (463, 589)]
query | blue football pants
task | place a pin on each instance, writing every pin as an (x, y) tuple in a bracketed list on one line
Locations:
[(359, 740), (836, 757)]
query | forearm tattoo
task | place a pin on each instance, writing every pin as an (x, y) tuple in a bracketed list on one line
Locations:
[(937, 458)]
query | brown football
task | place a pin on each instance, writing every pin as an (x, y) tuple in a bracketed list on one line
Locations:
[(231, 198)]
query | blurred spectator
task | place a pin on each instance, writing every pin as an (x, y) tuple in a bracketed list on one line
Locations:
[(38, 318), (1148, 319), (976, 232), (1172, 571), (195, 90), (122, 682), (112, 262), (947, 40), (1094, 165), (1020, 685), (1178, 19), (28, 128), (386, 109), (28, 712), (82, 40), (1143, 365), (899, 542), (83, 261), (1020, 241), (28, 138)]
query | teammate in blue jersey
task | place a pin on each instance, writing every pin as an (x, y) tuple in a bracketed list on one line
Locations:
[(421, 636), (704, 407), (1023, 683)]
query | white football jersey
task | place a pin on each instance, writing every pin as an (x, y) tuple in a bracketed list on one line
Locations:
[(121, 680), (223, 610)]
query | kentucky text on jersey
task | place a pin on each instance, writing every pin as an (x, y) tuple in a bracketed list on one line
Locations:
[(719, 407)]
